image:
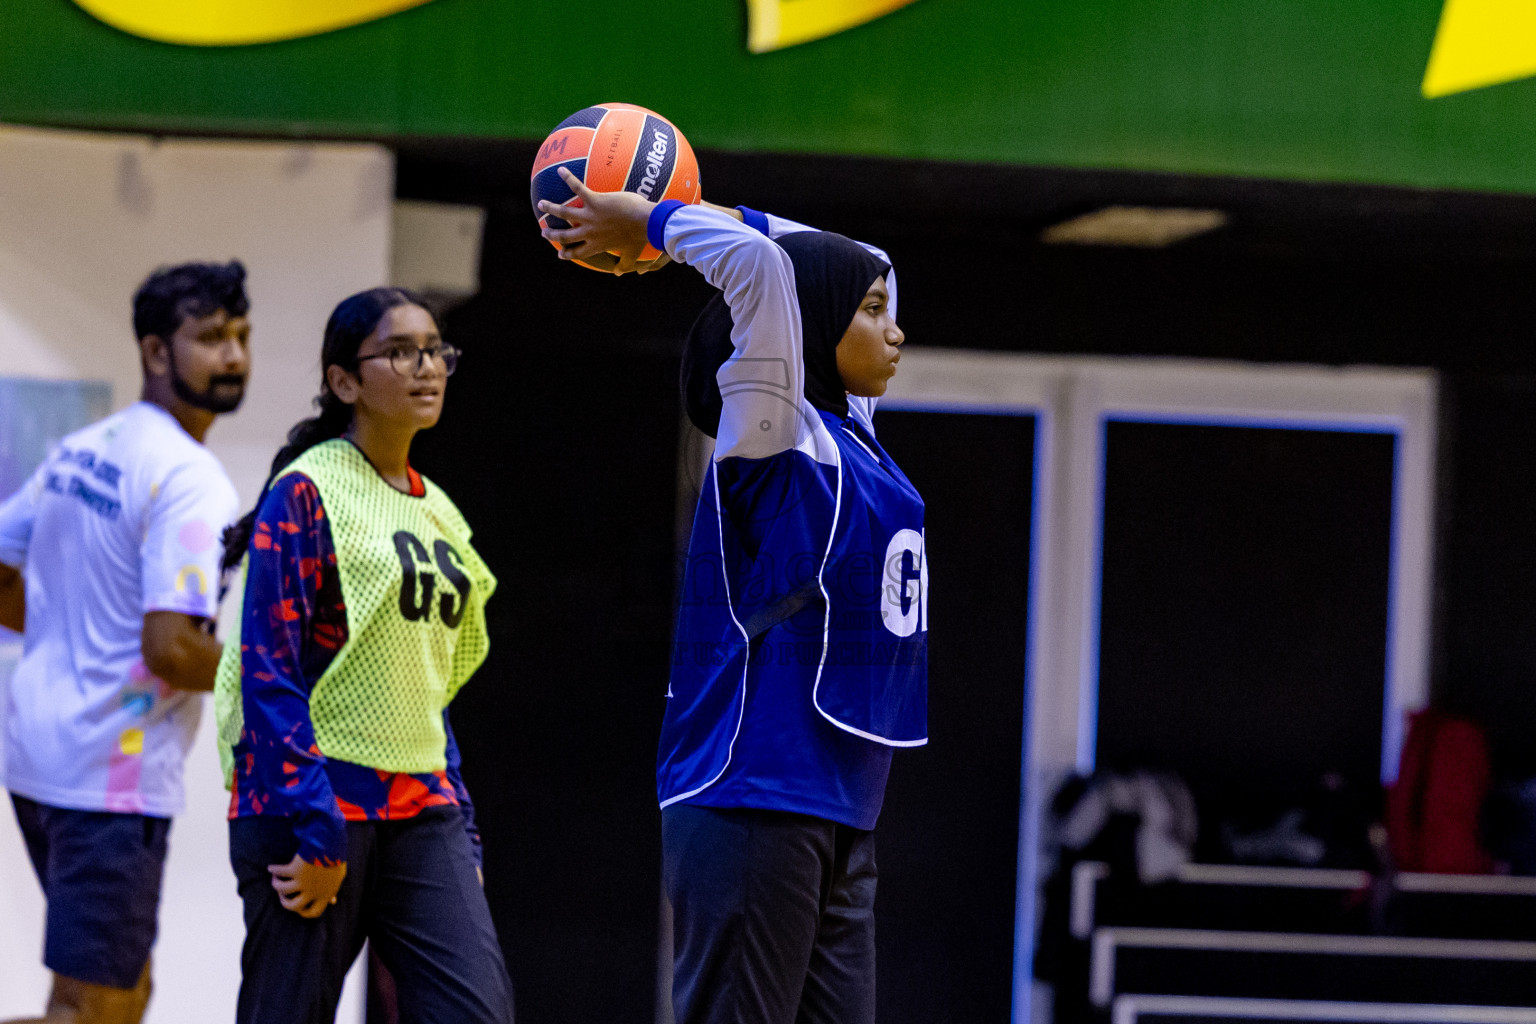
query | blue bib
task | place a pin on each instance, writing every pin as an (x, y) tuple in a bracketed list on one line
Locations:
[(801, 651)]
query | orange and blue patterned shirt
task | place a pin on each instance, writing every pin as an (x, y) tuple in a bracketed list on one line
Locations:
[(295, 622)]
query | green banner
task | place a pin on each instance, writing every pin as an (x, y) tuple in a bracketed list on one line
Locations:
[(1303, 89)]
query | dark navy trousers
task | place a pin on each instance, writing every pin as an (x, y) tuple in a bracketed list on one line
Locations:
[(773, 917), (411, 891)]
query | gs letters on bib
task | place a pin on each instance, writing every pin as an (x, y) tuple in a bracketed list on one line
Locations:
[(415, 592)]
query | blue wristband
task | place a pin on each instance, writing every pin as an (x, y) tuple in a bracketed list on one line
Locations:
[(754, 219), (656, 227)]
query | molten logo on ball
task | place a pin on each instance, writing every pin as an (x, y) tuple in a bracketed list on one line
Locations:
[(654, 160)]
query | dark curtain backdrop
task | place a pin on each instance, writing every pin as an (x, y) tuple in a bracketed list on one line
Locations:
[(1244, 611)]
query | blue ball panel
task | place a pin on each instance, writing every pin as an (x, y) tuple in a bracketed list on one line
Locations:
[(548, 185), (655, 157), (587, 118)]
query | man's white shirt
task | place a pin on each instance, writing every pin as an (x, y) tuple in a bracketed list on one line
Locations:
[(123, 518)]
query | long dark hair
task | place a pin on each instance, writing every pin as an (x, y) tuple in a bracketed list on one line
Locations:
[(351, 322)]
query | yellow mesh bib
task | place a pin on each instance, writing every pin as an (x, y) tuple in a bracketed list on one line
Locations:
[(227, 709), (415, 593)]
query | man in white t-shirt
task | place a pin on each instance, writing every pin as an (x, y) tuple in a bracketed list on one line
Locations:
[(109, 561)]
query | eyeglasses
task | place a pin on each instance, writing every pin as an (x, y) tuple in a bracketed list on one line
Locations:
[(407, 360)]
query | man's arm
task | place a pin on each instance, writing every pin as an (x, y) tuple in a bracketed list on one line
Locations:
[(178, 649), (13, 598)]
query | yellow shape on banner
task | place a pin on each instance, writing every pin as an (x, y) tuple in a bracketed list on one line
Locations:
[(775, 24), (238, 22), (1481, 42)]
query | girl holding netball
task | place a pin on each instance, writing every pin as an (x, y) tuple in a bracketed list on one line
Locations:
[(363, 614), (802, 637)]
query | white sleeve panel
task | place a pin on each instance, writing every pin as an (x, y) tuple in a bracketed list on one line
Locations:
[(16, 516), (780, 226), (181, 551), (762, 385)]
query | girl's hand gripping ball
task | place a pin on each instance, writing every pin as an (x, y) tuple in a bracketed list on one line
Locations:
[(610, 148)]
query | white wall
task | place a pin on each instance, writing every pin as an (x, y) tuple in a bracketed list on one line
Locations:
[(83, 219)]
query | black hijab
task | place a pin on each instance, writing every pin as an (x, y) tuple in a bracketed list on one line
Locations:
[(832, 276)]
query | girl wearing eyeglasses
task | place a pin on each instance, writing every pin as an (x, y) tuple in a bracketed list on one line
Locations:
[(363, 614)]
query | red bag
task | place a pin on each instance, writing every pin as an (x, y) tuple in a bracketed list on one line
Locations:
[(1434, 811)]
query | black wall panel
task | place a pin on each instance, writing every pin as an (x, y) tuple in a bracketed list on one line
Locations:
[(1244, 608)]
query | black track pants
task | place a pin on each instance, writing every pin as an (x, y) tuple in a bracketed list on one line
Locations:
[(411, 890), (773, 917)]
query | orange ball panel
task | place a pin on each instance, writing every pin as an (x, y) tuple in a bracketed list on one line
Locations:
[(685, 175), (565, 144), (613, 150)]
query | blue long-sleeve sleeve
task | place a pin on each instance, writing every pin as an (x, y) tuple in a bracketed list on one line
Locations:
[(291, 558)]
